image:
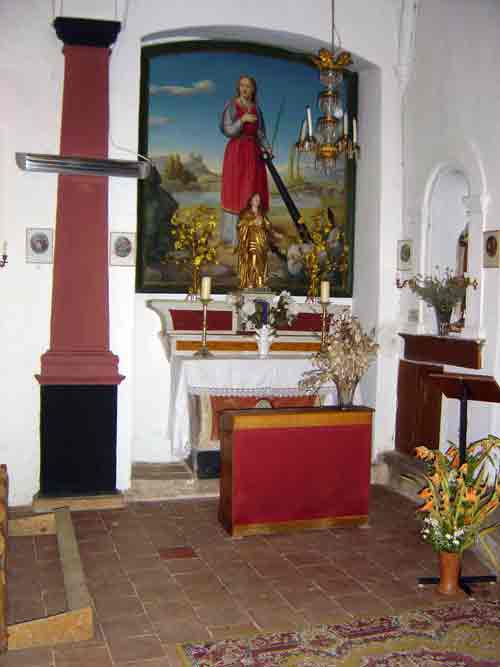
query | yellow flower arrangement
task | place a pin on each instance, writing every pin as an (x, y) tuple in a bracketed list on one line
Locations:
[(194, 233), (316, 259), (457, 499)]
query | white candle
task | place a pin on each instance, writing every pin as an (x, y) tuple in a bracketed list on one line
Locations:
[(354, 132), (4, 248), (325, 292), (206, 285), (346, 125), (303, 131), (309, 121)]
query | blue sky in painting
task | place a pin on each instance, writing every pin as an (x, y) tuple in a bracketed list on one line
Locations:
[(187, 93)]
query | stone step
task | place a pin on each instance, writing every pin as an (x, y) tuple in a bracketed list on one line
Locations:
[(163, 481)]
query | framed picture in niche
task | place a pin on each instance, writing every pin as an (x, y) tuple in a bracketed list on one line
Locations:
[(405, 255), (491, 249), (122, 249), (192, 129), (39, 245)]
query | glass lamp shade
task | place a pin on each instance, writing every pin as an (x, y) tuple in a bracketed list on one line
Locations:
[(330, 77), (329, 103), (328, 130)]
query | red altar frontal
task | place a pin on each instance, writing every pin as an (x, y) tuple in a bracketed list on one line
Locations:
[(291, 469)]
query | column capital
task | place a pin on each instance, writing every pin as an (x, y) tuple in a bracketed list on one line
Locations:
[(86, 32)]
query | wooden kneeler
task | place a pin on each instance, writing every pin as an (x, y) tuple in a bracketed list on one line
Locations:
[(75, 624)]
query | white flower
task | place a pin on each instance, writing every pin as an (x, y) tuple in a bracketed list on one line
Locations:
[(248, 309)]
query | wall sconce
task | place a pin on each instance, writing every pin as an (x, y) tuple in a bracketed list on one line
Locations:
[(3, 260)]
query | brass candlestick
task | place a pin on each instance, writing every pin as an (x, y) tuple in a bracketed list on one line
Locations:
[(324, 342), (204, 352)]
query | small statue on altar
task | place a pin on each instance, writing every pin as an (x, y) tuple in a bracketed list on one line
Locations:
[(254, 243)]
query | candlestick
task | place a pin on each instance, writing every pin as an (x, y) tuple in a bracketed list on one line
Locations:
[(354, 132), (309, 121), (325, 292), (206, 286), (324, 342), (204, 352)]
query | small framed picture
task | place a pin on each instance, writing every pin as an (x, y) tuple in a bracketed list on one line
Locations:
[(491, 252), (122, 249), (405, 255), (39, 245)]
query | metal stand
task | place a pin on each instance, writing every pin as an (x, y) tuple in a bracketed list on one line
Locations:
[(324, 342), (462, 388), (204, 352)]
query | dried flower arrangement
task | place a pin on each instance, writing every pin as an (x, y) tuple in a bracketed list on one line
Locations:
[(349, 353), (441, 292), (458, 498)]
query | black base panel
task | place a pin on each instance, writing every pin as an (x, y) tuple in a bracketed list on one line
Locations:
[(78, 440), (208, 464)]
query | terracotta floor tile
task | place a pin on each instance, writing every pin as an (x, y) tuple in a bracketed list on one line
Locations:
[(177, 552), (184, 565), (233, 631), (82, 656), (127, 626), (273, 619), (155, 662), (24, 610), (136, 563), (223, 615), (135, 648), (116, 607), (54, 602), (34, 657), (163, 611), (364, 605), (321, 611), (180, 630)]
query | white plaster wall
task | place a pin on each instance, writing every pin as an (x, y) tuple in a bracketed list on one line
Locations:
[(31, 70), (453, 104)]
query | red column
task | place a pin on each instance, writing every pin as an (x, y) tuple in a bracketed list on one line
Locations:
[(79, 342)]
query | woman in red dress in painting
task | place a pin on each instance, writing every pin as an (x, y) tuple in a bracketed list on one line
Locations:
[(243, 170)]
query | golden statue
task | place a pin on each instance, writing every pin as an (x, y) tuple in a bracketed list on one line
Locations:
[(254, 232)]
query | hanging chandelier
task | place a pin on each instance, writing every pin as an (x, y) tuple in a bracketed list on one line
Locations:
[(335, 134)]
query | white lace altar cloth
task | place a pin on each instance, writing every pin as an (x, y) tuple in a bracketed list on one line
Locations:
[(232, 376)]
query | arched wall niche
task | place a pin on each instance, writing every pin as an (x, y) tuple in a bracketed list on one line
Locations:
[(453, 202)]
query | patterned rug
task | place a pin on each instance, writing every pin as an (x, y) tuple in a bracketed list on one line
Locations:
[(464, 635)]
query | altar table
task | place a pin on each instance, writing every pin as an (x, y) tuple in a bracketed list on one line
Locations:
[(195, 381), (296, 469)]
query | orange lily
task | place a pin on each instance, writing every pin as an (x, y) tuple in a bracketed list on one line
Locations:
[(427, 507), (422, 452), (425, 493)]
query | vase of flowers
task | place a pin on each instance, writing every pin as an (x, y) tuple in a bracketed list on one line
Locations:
[(458, 498), (348, 354), (265, 318), (443, 293)]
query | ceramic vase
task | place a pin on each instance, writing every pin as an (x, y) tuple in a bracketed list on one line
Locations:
[(443, 318), (449, 574), (264, 337)]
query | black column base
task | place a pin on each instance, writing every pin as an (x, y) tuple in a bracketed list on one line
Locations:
[(78, 440)]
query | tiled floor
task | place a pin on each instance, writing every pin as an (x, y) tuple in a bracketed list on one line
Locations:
[(164, 572)]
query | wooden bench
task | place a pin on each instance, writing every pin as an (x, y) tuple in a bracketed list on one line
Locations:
[(77, 622)]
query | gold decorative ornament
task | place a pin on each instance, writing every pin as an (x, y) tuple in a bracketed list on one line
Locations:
[(194, 233)]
